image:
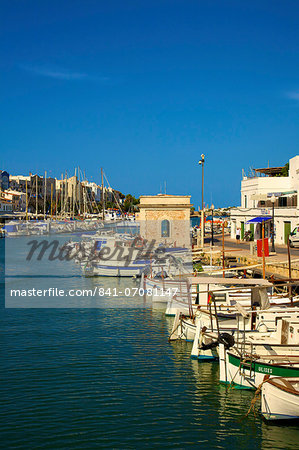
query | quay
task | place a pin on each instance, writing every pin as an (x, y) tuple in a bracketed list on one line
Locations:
[(238, 254)]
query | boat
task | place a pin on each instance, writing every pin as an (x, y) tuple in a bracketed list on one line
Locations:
[(120, 259), (201, 308), (124, 256), (116, 267), (280, 398), (257, 354)]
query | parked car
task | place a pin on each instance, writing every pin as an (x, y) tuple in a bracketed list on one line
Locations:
[(294, 237)]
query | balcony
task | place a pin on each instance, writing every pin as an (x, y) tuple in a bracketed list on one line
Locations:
[(280, 202)]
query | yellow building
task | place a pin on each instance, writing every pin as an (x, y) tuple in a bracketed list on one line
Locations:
[(166, 219)]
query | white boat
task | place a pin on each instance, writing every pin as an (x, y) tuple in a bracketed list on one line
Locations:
[(184, 328), (227, 292), (226, 301), (115, 268), (119, 261), (124, 261), (161, 288), (275, 354), (264, 323), (280, 398)]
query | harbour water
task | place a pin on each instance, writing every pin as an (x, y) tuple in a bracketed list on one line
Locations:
[(107, 377)]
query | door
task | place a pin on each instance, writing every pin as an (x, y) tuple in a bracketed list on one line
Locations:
[(287, 230), (252, 231), (242, 230)]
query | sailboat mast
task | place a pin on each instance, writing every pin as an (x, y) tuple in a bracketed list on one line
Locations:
[(51, 199), (26, 201), (61, 195), (75, 194), (80, 191), (65, 195), (36, 200), (103, 195), (45, 194), (72, 200), (56, 201)]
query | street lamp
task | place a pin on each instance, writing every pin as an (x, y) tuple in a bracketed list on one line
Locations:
[(202, 163), (212, 209), (273, 198)]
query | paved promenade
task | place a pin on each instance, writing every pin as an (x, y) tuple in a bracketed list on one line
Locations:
[(276, 263)]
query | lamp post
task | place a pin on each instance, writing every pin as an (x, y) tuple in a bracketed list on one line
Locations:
[(202, 163), (212, 209), (272, 239)]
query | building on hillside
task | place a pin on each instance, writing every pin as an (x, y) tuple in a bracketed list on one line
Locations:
[(262, 189), (38, 187), (70, 188), (44, 185), (18, 182), (5, 207), (16, 199), (165, 219), (4, 180), (95, 192)]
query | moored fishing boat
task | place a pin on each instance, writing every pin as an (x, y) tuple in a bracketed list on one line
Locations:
[(280, 398), (200, 313), (276, 354), (264, 323), (115, 268)]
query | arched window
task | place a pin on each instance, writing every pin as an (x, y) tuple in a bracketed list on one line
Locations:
[(165, 228)]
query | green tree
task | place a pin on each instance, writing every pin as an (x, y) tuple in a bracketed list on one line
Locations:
[(284, 171), (130, 203)]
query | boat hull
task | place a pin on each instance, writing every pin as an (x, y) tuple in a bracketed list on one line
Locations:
[(246, 375), (278, 402), (114, 271)]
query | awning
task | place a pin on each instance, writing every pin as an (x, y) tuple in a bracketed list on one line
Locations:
[(281, 194), (259, 219), (289, 193)]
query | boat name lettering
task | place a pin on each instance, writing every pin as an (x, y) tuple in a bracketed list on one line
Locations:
[(264, 369)]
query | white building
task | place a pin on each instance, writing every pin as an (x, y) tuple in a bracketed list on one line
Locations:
[(260, 191), (18, 182), (16, 198), (110, 194), (5, 207)]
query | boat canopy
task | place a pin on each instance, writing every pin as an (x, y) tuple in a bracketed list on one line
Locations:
[(259, 219)]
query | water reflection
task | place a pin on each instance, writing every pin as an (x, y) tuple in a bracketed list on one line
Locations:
[(109, 378), (280, 435), (93, 292)]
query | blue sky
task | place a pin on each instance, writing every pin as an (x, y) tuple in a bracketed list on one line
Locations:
[(142, 88)]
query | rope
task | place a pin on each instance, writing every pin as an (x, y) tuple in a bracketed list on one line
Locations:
[(242, 361), (255, 398), (172, 333), (231, 386)]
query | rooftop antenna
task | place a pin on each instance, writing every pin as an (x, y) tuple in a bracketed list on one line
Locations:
[(164, 187)]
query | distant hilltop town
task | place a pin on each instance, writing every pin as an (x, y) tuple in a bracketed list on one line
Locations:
[(39, 195)]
